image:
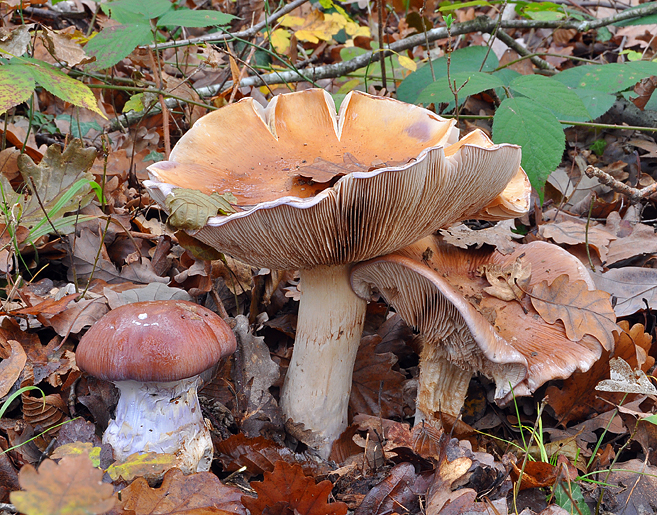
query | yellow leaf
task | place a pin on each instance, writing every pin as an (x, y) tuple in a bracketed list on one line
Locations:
[(354, 30), (407, 63), (280, 38), (72, 487), (150, 463), (76, 449), (292, 21)]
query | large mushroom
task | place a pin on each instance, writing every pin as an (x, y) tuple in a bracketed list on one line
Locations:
[(319, 192), (443, 292), (154, 352)]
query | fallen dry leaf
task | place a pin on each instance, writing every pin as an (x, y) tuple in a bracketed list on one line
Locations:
[(575, 233), (396, 493), (508, 282), (625, 380), (253, 374), (149, 464), (13, 360), (633, 288), (201, 494), (500, 236), (577, 399), (376, 387), (288, 490), (259, 455), (72, 487), (581, 311), (440, 494)]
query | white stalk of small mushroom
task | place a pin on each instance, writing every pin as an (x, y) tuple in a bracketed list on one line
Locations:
[(163, 418)]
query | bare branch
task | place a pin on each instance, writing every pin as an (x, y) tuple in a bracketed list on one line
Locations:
[(635, 195)]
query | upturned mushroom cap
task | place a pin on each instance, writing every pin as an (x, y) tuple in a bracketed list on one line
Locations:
[(319, 189), (156, 341), (435, 287)]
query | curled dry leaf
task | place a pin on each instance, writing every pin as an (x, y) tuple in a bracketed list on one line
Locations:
[(632, 287), (13, 360), (581, 311), (72, 487), (288, 490), (508, 282), (440, 494), (201, 494)]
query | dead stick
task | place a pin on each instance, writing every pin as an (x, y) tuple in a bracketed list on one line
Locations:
[(635, 195)]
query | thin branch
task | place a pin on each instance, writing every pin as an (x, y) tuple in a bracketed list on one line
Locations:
[(249, 33), (635, 195)]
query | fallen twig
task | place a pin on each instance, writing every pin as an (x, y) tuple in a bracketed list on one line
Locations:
[(634, 194)]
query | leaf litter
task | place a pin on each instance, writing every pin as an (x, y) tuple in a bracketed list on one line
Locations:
[(382, 463)]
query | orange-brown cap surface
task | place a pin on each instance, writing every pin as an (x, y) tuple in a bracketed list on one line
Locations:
[(316, 188), (155, 341)]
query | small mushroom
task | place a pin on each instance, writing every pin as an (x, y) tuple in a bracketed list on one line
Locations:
[(438, 289), (320, 192), (154, 353)]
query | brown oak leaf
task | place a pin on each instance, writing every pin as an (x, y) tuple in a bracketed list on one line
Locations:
[(259, 455), (376, 387), (72, 487), (288, 490), (581, 311), (13, 360), (201, 494), (508, 282)]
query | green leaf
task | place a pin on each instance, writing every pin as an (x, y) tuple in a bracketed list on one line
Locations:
[(64, 87), (562, 498), (467, 59), (461, 5), (134, 103), (524, 122), (148, 8), (596, 103), (608, 78), (558, 98), (506, 75), (189, 18), (470, 82), (644, 20), (112, 44), (651, 418), (16, 86)]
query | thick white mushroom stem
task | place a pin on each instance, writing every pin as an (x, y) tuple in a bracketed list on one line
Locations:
[(318, 381), (162, 418), (442, 386)]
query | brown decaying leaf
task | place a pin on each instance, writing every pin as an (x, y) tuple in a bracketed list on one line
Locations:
[(644, 88), (440, 494), (376, 387), (201, 494), (288, 490), (253, 374), (629, 286), (577, 399), (581, 311), (72, 487), (394, 494), (624, 379), (259, 455), (13, 360), (573, 233)]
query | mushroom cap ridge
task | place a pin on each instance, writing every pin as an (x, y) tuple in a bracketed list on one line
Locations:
[(154, 341)]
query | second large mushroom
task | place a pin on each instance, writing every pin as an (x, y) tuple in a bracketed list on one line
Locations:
[(319, 192), (443, 292)]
